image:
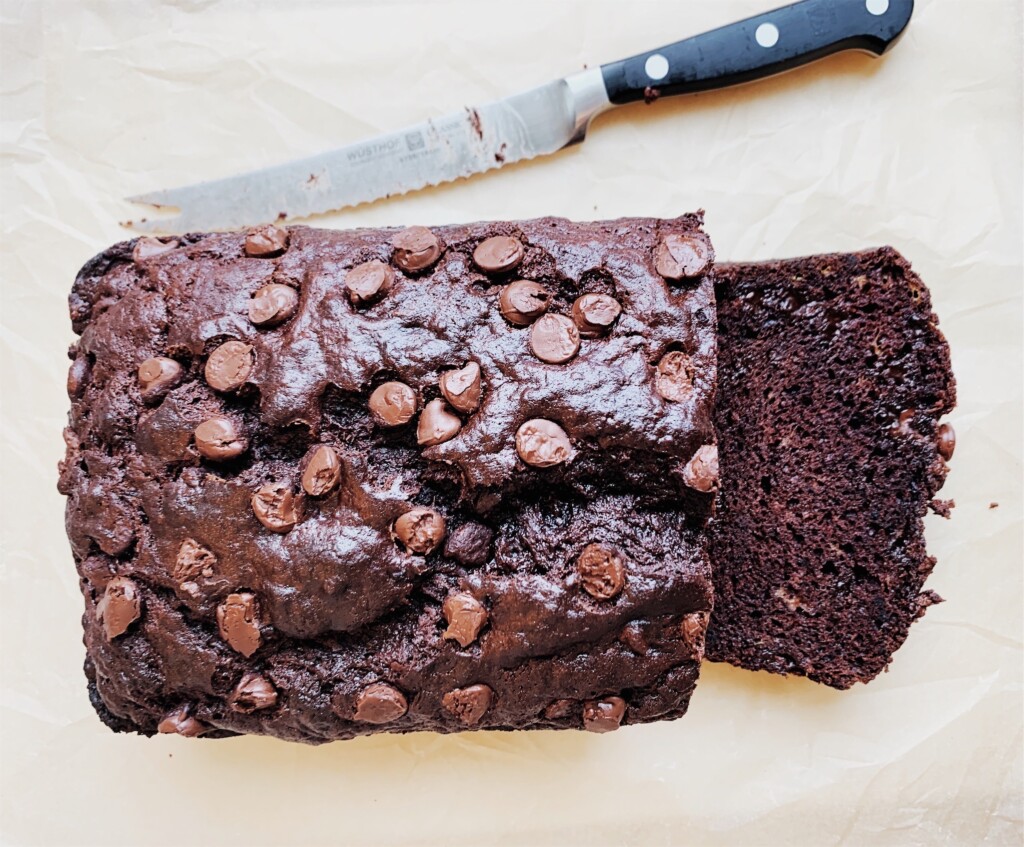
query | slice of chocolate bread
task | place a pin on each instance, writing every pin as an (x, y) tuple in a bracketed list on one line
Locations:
[(322, 484), (833, 376)]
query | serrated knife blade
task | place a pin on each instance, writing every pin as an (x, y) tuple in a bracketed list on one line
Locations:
[(472, 141), (534, 123)]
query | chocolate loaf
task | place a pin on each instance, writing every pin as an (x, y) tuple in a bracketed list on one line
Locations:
[(833, 378), (322, 484)]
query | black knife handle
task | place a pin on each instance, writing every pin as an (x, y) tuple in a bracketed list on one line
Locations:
[(759, 47)]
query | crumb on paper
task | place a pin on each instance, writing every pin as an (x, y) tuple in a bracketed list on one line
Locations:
[(993, 505)]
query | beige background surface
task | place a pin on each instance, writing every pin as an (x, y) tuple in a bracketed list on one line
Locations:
[(921, 150)]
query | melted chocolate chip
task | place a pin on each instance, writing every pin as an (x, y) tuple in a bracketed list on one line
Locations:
[(701, 472), (523, 301), (193, 561), (277, 507), (543, 444), (437, 424), (692, 628), (369, 282), (416, 248), (461, 388), (148, 247), (380, 703), (498, 254), (683, 255), (602, 571), (265, 242), (229, 366), (157, 376), (559, 709), (554, 339), (594, 314), (237, 620), (466, 616), (321, 471), (182, 723), (469, 704), (632, 635), (78, 376), (674, 380), (603, 715), (273, 304), (219, 439), (119, 607), (253, 692), (470, 544), (905, 421), (946, 441), (393, 404), (419, 530)]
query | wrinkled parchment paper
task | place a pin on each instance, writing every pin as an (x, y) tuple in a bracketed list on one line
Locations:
[(921, 150)]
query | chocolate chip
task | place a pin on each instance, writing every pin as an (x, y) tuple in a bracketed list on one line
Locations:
[(674, 380), (469, 704), (277, 507), (522, 302), (237, 620), (265, 242), (682, 255), (78, 376), (437, 424), (602, 571), (181, 722), (554, 339), (393, 403), (253, 692), (229, 366), (603, 715), (632, 635), (543, 444), (701, 472), (321, 471), (594, 314), (119, 607), (461, 388), (157, 376), (466, 616), (559, 709), (498, 254), (693, 627), (219, 439), (419, 530), (273, 304), (416, 248), (148, 247), (946, 439), (369, 281), (380, 703), (470, 544), (903, 423), (193, 561)]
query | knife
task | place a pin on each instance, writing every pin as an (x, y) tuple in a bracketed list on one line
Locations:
[(534, 123)]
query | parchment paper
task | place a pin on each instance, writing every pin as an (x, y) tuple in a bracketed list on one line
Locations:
[(921, 150)]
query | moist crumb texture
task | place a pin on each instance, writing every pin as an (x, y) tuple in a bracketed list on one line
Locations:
[(833, 379), (322, 483)]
